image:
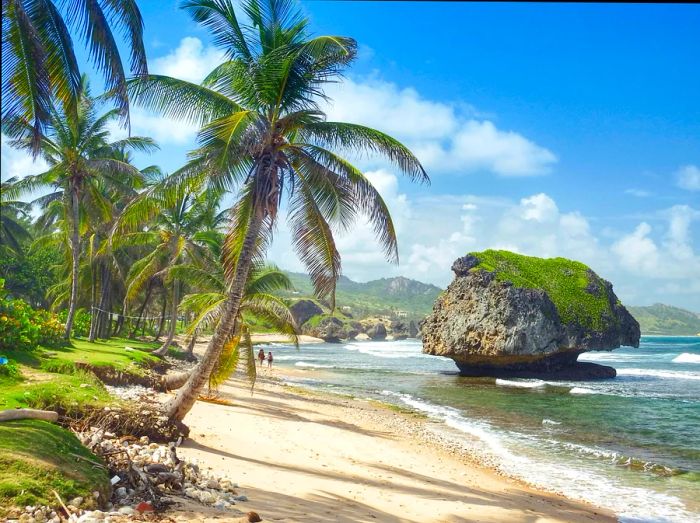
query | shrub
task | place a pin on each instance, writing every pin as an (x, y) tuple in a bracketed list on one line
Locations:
[(17, 330), (23, 328), (9, 370), (81, 322), (51, 330)]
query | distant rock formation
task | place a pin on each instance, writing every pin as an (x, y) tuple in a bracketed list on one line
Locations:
[(399, 330), (328, 328), (507, 314), (413, 329), (303, 310), (377, 332)]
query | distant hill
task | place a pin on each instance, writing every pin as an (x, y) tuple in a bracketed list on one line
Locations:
[(665, 319), (385, 296)]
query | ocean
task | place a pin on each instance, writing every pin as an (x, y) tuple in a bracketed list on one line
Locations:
[(630, 444)]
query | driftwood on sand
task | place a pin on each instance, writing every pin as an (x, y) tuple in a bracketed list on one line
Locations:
[(13, 414)]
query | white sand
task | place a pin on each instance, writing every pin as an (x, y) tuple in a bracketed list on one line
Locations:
[(309, 457)]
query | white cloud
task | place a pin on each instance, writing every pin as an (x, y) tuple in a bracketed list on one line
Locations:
[(645, 263), (162, 130), (16, 163), (191, 61), (688, 178), (441, 135), (637, 252)]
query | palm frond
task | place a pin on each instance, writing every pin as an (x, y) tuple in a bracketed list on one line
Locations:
[(313, 241), (181, 100), (361, 139), (227, 362)]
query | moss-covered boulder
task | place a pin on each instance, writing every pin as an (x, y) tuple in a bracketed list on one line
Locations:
[(515, 315)]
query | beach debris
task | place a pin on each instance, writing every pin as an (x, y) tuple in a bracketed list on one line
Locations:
[(147, 478)]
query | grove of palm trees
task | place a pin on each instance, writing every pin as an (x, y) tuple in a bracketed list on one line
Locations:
[(115, 253)]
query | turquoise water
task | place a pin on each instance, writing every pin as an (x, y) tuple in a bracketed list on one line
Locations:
[(631, 444)]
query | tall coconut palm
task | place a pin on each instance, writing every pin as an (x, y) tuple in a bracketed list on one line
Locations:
[(263, 131), (38, 62), (81, 160), (176, 219)]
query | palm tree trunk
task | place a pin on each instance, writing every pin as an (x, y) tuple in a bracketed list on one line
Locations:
[(93, 303), (190, 346), (75, 248), (162, 318), (106, 325), (178, 407), (163, 350), (103, 308), (143, 308)]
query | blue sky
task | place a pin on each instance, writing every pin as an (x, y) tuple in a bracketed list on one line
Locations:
[(569, 130)]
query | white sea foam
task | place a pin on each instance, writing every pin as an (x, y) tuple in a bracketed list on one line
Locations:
[(383, 349), (313, 365), (294, 357), (582, 390), (653, 373), (546, 421), (525, 384), (687, 357), (632, 504)]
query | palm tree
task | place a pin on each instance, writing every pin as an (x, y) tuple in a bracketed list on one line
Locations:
[(177, 222), (14, 220), (38, 62), (81, 161), (262, 130), (259, 304)]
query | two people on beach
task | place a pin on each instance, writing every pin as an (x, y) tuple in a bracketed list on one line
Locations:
[(261, 358)]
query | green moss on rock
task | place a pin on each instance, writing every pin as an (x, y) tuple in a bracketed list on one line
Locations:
[(576, 291)]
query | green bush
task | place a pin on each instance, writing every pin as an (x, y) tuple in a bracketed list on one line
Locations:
[(81, 322), (17, 330), (9, 370), (22, 328)]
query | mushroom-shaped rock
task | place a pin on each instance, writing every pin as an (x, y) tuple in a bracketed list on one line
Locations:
[(506, 314)]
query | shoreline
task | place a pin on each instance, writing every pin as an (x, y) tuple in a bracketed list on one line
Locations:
[(355, 459)]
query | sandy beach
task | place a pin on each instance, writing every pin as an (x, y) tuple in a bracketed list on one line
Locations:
[(307, 456)]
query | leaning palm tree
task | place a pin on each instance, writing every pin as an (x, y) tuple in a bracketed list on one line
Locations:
[(38, 62), (81, 160), (259, 304), (263, 131)]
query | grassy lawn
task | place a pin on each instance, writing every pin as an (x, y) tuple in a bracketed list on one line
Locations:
[(37, 457), (109, 353), (50, 379), (42, 390)]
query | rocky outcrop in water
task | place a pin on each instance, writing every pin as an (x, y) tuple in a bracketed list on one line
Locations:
[(506, 314), (399, 330), (328, 328), (413, 329), (377, 331)]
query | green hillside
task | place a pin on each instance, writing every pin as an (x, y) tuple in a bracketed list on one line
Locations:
[(665, 319), (384, 296)]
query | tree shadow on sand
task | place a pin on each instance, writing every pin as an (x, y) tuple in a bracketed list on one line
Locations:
[(516, 504)]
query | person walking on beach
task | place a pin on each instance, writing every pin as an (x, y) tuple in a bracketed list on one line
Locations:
[(261, 356), (269, 360)]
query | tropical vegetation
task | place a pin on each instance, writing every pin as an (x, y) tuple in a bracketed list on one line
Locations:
[(134, 252)]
